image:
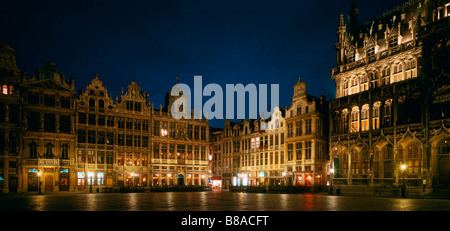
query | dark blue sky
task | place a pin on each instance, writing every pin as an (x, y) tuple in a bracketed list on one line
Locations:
[(227, 42)]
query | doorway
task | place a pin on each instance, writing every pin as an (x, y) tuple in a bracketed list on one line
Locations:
[(180, 179), (49, 183)]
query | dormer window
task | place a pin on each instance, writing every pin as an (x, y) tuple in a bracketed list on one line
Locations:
[(371, 51), (351, 57), (393, 41)]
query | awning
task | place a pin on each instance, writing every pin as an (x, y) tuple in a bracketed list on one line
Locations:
[(216, 178)]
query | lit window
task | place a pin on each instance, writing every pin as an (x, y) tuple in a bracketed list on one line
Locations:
[(365, 118), (164, 132), (5, 89), (355, 120)]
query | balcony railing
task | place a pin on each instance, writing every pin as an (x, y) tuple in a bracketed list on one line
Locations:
[(48, 162)]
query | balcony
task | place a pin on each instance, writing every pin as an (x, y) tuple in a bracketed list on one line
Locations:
[(48, 162)]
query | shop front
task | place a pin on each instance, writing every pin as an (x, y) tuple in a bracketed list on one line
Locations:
[(81, 181), (64, 179), (33, 179)]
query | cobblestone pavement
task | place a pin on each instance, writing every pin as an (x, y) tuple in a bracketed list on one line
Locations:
[(211, 201)]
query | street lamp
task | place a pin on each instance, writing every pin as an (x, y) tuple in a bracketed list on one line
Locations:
[(403, 185), (90, 186), (331, 180), (284, 178), (39, 182)]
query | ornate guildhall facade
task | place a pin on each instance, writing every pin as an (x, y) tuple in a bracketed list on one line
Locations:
[(71, 141)]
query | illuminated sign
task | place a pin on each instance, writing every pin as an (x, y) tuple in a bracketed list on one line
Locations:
[(1, 178), (64, 170), (32, 170), (261, 174), (80, 174)]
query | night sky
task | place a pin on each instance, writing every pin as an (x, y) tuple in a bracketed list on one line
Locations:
[(150, 42)]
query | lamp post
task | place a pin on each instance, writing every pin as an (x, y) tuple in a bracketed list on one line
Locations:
[(90, 185), (331, 180), (403, 185), (39, 183)]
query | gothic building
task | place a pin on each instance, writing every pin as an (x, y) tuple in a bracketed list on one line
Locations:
[(392, 106)]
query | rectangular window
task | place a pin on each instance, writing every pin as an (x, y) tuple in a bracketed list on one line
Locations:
[(82, 136), (109, 157), (156, 131), (121, 122), (91, 157), (290, 152), (308, 150), (308, 126), (64, 124), (91, 118), (110, 138), (110, 121), (81, 158), (49, 123), (121, 139), (101, 120), (129, 140), (100, 157), (91, 137), (298, 150)]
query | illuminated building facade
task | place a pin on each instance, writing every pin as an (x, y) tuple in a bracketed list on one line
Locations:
[(392, 106), (10, 108), (75, 142), (307, 138), (48, 132)]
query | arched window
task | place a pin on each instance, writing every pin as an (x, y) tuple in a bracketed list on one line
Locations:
[(387, 113), (344, 119), (101, 104), (48, 150), (33, 149), (388, 161), (376, 163), (365, 161), (91, 104), (354, 85), (443, 166), (364, 85), (345, 87), (365, 117), (376, 115), (373, 75), (398, 72), (410, 69), (414, 159), (354, 161), (386, 75), (355, 120)]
